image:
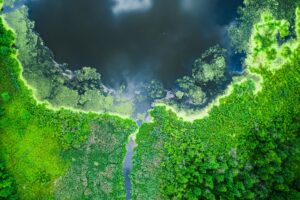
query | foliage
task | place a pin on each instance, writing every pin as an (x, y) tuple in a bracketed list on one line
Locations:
[(87, 177), (51, 81), (265, 49), (179, 94), (7, 184), (248, 147), (88, 74), (5, 97), (155, 89), (196, 95), (185, 83), (93, 100), (250, 13), (9, 3), (209, 74), (211, 66), (35, 141), (147, 159), (65, 97), (86, 78)]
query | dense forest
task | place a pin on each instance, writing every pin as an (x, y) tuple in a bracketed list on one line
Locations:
[(59, 154), (246, 145)]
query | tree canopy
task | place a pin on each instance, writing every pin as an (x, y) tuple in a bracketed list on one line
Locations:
[(248, 147)]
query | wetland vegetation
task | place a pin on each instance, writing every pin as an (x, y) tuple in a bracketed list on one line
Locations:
[(214, 134)]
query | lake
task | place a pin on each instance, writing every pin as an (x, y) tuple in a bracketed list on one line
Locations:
[(132, 40)]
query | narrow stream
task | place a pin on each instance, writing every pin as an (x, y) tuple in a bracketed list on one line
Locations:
[(128, 166)]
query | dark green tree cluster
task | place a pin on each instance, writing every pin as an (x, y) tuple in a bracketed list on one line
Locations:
[(7, 184), (6, 42)]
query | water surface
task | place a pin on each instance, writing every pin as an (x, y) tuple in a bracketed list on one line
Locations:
[(132, 40)]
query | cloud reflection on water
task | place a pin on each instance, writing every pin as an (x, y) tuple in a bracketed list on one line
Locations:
[(125, 6)]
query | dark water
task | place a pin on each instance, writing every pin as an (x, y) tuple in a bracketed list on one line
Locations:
[(132, 40)]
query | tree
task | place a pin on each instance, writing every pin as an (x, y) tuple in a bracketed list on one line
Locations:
[(185, 83), (211, 66), (264, 45), (9, 3), (5, 97), (7, 184), (42, 85), (155, 89), (87, 74), (247, 147), (93, 100), (209, 69), (250, 13), (196, 95), (179, 94), (85, 79), (65, 97)]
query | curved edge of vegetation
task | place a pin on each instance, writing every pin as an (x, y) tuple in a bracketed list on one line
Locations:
[(53, 83), (248, 147), (44, 151), (84, 88)]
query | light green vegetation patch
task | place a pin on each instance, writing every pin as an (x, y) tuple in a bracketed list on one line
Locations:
[(52, 82), (37, 144), (83, 89), (250, 13), (247, 147)]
